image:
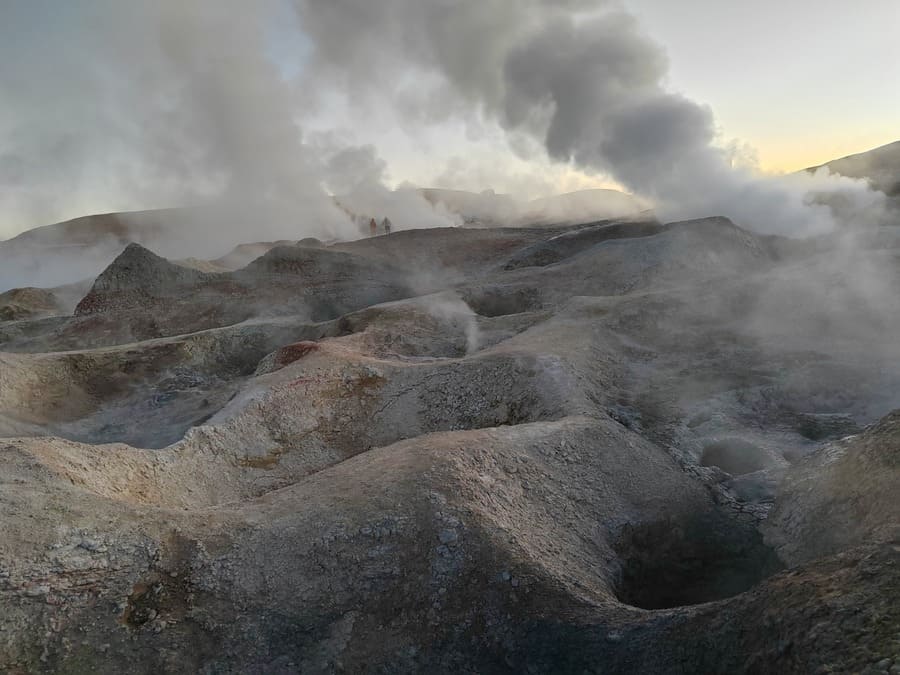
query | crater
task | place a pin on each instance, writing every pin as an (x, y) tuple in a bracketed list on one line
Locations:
[(493, 302), (667, 564), (826, 426), (737, 456)]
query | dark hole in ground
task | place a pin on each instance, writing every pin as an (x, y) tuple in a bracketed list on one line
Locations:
[(670, 564), (736, 456), (491, 302), (821, 427)]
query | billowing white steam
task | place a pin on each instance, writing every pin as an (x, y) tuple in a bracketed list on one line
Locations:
[(145, 104), (580, 76), (162, 103)]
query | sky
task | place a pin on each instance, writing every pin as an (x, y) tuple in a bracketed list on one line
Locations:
[(799, 83), (116, 106), (803, 81)]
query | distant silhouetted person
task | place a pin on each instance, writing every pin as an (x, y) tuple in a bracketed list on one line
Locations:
[(373, 227), (386, 224)]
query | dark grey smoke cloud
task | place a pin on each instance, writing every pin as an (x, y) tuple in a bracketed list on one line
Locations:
[(579, 76)]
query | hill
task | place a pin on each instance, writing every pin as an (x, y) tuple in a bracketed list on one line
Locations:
[(67, 252), (582, 206), (489, 208), (880, 166)]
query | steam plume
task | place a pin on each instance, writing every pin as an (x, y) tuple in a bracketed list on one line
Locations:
[(161, 103), (173, 102), (579, 76)]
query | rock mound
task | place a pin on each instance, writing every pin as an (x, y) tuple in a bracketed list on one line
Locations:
[(27, 303), (137, 276), (316, 265), (568, 243), (841, 496), (243, 254), (142, 295)]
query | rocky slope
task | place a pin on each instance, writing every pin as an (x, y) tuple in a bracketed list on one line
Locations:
[(620, 447)]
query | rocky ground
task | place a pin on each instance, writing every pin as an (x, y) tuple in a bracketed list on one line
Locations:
[(618, 447)]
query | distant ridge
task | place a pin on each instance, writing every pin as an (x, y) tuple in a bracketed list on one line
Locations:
[(88, 230), (75, 249), (581, 206), (881, 167)]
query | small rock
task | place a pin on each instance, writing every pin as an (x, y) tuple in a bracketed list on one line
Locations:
[(91, 545), (448, 536)]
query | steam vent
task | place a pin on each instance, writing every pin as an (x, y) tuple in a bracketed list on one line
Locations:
[(606, 397)]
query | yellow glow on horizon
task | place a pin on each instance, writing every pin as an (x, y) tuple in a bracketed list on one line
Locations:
[(778, 156)]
